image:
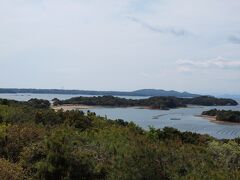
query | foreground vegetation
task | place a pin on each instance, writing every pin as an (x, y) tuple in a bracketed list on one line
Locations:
[(38, 143), (153, 102), (224, 115)]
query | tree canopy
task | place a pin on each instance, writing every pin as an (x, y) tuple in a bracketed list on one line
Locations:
[(224, 115), (40, 143), (152, 102)]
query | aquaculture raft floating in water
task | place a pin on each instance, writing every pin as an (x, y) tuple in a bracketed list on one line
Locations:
[(175, 119)]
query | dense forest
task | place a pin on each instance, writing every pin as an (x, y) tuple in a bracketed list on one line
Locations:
[(152, 102), (224, 115), (37, 142)]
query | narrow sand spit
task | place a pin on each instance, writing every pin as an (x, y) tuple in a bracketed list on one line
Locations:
[(214, 120), (69, 107), (210, 118)]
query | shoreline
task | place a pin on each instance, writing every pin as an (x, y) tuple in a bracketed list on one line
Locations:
[(214, 120), (69, 107)]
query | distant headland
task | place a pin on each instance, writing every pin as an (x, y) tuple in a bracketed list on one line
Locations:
[(141, 92)]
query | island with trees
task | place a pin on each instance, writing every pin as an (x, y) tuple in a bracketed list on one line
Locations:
[(152, 102), (37, 142), (223, 115)]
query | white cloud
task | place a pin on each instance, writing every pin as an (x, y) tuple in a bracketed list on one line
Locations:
[(217, 63), (90, 44)]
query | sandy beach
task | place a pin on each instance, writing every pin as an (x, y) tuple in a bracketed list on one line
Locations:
[(214, 120), (210, 118), (69, 107)]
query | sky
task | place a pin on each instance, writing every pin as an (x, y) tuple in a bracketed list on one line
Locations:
[(182, 45)]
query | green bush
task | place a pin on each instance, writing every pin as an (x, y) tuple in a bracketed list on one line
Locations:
[(40, 143)]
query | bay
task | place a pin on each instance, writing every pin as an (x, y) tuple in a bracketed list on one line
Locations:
[(183, 119)]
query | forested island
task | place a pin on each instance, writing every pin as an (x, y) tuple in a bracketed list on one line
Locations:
[(223, 115), (37, 142), (152, 102)]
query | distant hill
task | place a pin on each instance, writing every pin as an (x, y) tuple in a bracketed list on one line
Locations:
[(142, 92), (159, 92)]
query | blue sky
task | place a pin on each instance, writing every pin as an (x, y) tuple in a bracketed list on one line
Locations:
[(121, 44)]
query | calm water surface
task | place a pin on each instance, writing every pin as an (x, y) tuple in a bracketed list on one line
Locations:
[(26, 97), (186, 117)]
